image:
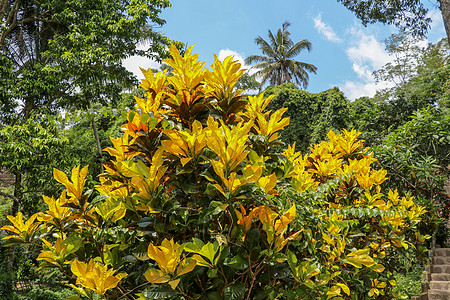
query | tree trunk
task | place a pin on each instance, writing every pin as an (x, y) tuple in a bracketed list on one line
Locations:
[(445, 9)]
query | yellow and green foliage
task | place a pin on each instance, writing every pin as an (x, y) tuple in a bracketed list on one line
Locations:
[(200, 201)]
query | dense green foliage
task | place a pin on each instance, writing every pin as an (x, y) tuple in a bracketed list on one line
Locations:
[(407, 14), (28, 152), (312, 116), (416, 157), (69, 53)]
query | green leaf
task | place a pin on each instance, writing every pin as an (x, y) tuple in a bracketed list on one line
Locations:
[(292, 259), (209, 251), (89, 116), (217, 207), (252, 238), (96, 200), (212, 273), (213, 296), (263, 294), (195, 246), (224, 252), (234, 291), (12, 241), (237, 263), (144, 118), (153, 122), (280, 271), (159, 292), (131, 116), (123, 115), (144, 222), (71, 205), (73, 244)]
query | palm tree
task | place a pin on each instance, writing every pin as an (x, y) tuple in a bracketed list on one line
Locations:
[(278, 65)]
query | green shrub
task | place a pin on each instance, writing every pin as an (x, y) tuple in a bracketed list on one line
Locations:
[(38, 293)]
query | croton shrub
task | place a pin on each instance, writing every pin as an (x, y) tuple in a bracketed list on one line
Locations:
[(202, 201)]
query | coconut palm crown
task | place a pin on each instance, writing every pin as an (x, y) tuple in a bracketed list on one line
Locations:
[(278, 65)]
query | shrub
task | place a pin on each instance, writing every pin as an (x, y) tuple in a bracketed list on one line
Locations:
[(45, 294), (199, 202), (6, 286)]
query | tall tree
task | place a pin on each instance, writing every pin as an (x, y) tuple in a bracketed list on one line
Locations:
[(406, 52), (277, 64), (405, 14), (70, 53)]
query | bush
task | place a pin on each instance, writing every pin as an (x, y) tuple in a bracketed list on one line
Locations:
[(6, 286), (198, 202), (45, 294), (409, 284)]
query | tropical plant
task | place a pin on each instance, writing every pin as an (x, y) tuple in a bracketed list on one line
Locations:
[(199, 202), (277, 64)]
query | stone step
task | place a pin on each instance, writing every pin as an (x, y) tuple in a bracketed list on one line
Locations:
[(440, 285), (442, 252), (440, 277), (440, 269), (423, 296), (438, 295), (433, 295), (441, 260)]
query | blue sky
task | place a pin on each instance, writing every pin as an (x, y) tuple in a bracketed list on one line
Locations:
[(345, 52)]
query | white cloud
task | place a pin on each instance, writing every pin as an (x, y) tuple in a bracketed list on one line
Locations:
[(237, 56), (437, 29), (363, 71), (326, 30), (357, 89), (227, 52), (366, 55), (366, 50), (134, 63), (437, 22), (354, 90)]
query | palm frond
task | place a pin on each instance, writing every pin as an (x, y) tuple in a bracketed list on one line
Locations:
[(298, 47), (257, 58), (265, 47), (273, 41), (308, 67)]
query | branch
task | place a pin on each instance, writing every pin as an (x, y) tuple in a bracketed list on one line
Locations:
[(63, 92), (9, 196), (12, 17), (33, 19)]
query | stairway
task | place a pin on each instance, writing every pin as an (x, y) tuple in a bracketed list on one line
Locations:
[(437, 281)]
